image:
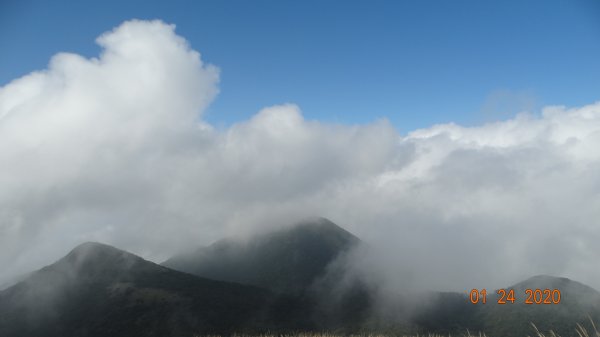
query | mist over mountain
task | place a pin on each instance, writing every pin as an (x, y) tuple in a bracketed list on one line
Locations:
[(453, 312), (277, 260), (304, 285), (117, 146), (290, 259), (578, 304), (307, 260), (98, 290), (455, 145)]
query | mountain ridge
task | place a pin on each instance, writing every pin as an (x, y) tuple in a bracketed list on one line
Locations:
[(97, 288)]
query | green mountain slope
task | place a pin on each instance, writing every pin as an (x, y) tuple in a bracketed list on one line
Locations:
[(98, 290)]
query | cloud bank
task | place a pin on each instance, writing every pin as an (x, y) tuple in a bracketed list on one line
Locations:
[(114, 149)]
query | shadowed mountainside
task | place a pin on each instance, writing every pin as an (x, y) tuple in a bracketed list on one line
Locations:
[(578, 304), (304, 261), (453, 312), (98, 290), (287, 260)]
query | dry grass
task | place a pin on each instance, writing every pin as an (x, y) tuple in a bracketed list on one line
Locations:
[(580, 330), (307, 334)]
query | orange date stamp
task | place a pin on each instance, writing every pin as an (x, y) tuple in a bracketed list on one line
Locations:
[(507, 296)]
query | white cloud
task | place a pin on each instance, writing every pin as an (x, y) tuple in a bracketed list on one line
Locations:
[(114, 149)]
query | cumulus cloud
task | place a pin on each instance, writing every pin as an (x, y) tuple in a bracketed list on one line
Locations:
[(114, 149)]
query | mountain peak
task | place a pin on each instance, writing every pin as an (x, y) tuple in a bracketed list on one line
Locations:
[(93, 250), (321, 229), (566, 286), (289, 259), (544, 277), (92, 246), (94, 259), (549, 281), (319, 222)]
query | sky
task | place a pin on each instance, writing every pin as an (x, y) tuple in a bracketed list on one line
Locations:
[(461, 143), (416, 63)]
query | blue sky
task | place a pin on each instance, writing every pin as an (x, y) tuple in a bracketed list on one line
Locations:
[(416, 63)]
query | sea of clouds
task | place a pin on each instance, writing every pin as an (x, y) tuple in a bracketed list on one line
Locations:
[(115, 149)]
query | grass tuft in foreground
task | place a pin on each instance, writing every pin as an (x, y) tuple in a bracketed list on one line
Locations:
[(580, 330)]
